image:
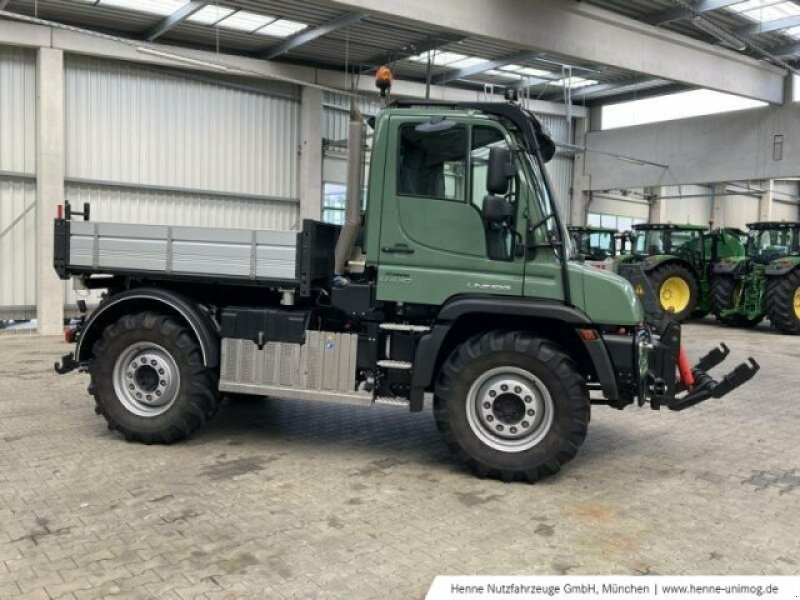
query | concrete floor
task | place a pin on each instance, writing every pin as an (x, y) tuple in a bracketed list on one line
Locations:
[(282, 499)]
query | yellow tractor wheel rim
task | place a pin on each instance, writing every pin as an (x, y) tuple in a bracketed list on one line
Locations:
[(797, 303), (675, 294)]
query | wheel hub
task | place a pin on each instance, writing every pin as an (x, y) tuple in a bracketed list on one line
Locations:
[(674, 294), (510, 409), (797, 303), (146, 379)]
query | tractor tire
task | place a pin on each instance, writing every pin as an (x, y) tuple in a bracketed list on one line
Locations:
[(676, 288), (149, 381), (511, 406), (723, 292), (783, 302)]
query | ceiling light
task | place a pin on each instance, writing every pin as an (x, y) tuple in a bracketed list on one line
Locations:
[(282, 28), (245, 21), (718, 32), (209, 15), (155, 7)]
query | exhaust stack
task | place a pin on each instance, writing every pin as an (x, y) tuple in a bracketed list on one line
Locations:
[(355, 183)]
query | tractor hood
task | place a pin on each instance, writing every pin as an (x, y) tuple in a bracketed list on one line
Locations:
[(607, 298)]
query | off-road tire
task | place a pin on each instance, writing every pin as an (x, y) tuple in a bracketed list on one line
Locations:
[(196, 399), (555, 370), (660, 274), (780, 296), (722, 298)]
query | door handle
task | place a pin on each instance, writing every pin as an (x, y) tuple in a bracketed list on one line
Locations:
[(398, 249)]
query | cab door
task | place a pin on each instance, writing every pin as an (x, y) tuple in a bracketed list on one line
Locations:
[(433, 239)]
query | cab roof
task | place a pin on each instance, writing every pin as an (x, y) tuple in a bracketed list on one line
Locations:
[(774, 225), (669, 226), (591, 229)]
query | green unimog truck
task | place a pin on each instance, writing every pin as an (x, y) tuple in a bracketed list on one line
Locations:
[(763, 283), (455, 281), (678, 261)]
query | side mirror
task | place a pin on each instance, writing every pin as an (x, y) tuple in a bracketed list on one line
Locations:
[(497, 209), (500, 171)]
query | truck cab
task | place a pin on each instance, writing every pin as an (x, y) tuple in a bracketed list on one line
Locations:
[(454, 282)]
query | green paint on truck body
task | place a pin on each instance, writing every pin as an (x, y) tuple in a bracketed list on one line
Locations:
[(428, 248)]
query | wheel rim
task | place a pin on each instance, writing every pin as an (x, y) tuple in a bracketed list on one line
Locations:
[(797, 303), (509, 409), (675, 294), (146, 379)]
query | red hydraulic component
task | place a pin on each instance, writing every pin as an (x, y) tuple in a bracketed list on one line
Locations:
[(69, 335), (685, 368)]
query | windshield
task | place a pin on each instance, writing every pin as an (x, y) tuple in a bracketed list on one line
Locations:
[(766, 245), (597, 245), (650, 242), (543, 208)]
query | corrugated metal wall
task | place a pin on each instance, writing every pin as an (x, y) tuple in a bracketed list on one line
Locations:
[(688, 203), (17, 186), (561, 167), (786, 199), (155, 146), (737, 210), (17, 248), (130, 124), (633, 205)]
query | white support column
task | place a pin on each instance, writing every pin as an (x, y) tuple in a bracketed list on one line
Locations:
[(311, 153), (50, 160), (657, 213), (765, 202)]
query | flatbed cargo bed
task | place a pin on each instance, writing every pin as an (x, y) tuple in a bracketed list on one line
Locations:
[(255, 256)]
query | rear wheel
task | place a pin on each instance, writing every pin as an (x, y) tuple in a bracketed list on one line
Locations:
[(511, 406), (724, 294), (783, 302), (149, 381), (677, 290)]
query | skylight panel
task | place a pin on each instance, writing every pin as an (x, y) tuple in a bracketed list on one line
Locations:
[(246, 21), (510, 67), (762, 11), (505, 74), (153, 7), (531, 72), (469, 61), (282, 28), (440, 59), (209, 15), (575, 82)]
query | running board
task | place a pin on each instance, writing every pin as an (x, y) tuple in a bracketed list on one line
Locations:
[(354, 398)]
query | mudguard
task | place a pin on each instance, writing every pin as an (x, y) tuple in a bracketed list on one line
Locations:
[(782, 266)]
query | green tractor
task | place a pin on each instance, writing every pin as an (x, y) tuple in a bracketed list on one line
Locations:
[(596, 246), (677, 261), (763, 283)]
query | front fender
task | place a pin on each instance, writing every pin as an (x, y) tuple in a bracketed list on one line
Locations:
[(782, 266), (727, 267)]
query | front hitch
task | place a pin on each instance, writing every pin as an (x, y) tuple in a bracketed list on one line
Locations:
[(670, 382)]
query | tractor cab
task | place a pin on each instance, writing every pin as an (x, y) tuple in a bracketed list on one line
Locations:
[(769, 241), (594, 245)]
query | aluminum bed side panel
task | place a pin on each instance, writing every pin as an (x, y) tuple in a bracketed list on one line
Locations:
[(247, 254)]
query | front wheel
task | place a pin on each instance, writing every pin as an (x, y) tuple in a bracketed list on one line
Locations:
[(511, 406), (677, 290), (149, 381)]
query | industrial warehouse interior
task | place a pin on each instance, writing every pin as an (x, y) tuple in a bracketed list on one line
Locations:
[(362, 299)]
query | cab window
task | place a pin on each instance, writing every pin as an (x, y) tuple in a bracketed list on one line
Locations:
[(433, 164)]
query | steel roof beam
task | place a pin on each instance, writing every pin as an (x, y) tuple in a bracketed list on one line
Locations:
[(187, 10), (579, 32), (466, 72), (675, 14), (309, 35)]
